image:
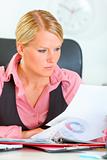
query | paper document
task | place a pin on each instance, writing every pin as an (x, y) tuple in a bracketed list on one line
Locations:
[(89, 103), (85, 117), (25, 141), (7, 147)]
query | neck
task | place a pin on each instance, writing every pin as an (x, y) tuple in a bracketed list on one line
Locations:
[(30, 79)]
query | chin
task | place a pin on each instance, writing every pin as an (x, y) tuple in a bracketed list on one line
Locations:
[(48, 74)]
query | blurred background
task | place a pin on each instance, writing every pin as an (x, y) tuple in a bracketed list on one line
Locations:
[(82, 20)]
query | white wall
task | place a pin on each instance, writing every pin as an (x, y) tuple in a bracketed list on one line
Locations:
[(93, 40)]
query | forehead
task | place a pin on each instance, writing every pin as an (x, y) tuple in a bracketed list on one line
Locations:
[(45, 38)]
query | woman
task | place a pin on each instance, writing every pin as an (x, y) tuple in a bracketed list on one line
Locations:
[(33, 88)]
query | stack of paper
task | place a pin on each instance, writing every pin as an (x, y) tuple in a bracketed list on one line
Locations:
[(8, 147)]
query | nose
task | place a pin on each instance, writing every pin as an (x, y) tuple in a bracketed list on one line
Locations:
[(51, 58)]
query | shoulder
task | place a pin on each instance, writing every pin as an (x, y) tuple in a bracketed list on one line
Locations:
[(64, 75), (2, 72), (2, 77), (70, 76), (70, 83)]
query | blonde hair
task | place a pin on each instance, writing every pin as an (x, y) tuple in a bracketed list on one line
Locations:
[(34, 21)]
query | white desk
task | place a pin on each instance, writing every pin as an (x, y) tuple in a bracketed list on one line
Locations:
[(32, 154)]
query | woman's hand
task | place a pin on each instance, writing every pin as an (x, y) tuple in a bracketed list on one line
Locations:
[(30, 133)]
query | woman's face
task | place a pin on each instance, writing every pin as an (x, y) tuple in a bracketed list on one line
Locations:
[(41, 55)]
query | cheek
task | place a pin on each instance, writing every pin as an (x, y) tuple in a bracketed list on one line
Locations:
[(33, 59), (58, 56), (30, 57)]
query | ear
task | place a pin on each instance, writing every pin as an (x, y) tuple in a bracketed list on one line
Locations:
[(20, 48)]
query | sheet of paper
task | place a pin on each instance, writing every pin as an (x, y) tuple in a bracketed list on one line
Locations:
[(6, 147), (37, 140), (85, 117), (72, 129), (90, 103)]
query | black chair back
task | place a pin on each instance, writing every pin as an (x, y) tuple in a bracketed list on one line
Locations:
[(7, 50), (71, 56)]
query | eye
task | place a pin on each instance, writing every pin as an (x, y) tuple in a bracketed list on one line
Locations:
[(42, 50), (57, 49)]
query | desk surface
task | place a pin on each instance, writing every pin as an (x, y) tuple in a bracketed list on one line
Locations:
[(32, 154)]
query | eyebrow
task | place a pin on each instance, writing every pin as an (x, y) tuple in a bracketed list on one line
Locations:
[(48, 47)]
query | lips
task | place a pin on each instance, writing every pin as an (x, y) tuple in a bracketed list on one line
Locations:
[(50, 67)]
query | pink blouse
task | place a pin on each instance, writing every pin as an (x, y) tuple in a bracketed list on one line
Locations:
[(33, 117)]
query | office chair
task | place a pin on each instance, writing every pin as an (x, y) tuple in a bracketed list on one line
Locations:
[(71, 57)]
